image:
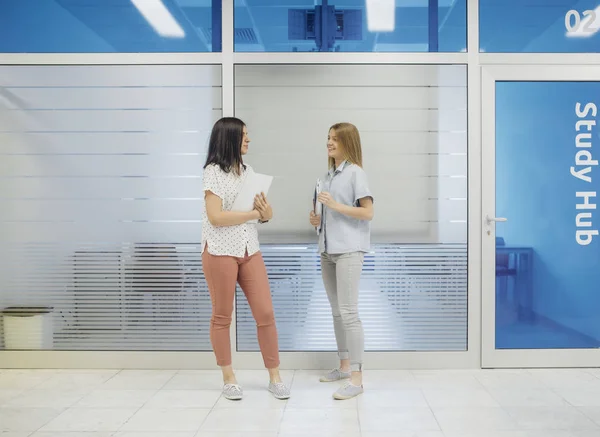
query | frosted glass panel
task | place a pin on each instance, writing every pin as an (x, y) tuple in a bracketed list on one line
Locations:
[(413, 124), (101, 201)]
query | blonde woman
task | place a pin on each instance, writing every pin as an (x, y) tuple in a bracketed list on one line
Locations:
[(344, 238)]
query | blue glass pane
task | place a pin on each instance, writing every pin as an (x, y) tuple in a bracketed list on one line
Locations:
[(108, 26), (350, 26), (539, 26), (548, 252)]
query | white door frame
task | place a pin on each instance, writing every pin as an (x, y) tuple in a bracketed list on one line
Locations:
[(491, 357)]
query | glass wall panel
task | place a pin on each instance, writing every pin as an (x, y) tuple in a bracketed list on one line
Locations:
[(109, 26), (350, 26), (100, 204), (539, 26), (413, 123)]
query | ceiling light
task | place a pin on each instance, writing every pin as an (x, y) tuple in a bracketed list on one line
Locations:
[(381, 15), (159, 17)]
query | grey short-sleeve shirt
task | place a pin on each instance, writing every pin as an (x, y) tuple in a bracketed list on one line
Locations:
[(347, 184)]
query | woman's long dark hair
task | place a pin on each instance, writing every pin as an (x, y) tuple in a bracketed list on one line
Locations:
[(225, 145)]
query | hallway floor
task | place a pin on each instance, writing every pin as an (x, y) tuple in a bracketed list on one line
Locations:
[(142, 403)]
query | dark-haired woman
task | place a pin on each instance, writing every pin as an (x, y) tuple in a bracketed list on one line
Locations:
[(231, 254)]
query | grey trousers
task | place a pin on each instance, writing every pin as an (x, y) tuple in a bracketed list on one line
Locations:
[(341, 277)]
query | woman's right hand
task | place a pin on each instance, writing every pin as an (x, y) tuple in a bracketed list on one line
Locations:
[(314, 219), (261, 204)]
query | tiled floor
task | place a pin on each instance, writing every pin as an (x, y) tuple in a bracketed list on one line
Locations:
[(103, 403)]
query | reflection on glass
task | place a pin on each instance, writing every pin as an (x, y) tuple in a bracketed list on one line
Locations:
[(350, 26), (547, 253), (128, 26), (539, 26)]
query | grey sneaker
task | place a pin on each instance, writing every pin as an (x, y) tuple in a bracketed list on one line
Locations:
[(233, 392), (279, 390), (335, 375), (348, 391)]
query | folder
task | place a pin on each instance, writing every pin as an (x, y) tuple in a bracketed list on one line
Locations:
[(255, 183)]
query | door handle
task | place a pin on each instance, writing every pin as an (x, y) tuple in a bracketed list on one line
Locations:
[(489, 220)]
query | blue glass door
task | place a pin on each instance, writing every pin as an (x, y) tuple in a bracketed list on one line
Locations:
[(542, 222)]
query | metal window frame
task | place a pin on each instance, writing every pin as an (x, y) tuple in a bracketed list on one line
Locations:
[(475, 61), (289, 360)]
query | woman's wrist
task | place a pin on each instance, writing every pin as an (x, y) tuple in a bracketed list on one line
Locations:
[(255, 215)]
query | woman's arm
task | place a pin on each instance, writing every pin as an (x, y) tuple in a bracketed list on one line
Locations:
[(362, 212), (218, 217)]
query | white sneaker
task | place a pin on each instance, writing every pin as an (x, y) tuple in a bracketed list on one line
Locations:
[(233, 392), (279, 390), (335, 375), (348, 391)]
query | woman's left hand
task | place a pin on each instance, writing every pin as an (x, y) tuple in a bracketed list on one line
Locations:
[(264, 208), (326, 199)]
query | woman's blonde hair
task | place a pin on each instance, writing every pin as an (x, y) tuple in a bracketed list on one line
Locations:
[(347, 135)]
